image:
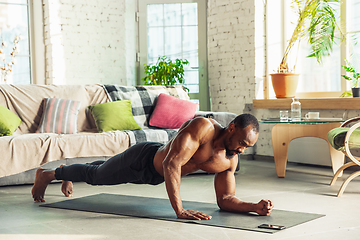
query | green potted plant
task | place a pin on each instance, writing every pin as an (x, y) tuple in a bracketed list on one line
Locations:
[(354, 78), (165, 72), (317, 22)]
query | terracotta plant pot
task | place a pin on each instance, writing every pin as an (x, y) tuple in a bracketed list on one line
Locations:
[(284, 84)]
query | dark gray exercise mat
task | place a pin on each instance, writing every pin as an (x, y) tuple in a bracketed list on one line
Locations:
[(158, 208)]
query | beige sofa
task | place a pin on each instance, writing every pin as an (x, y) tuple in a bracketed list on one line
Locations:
[(25, 151)]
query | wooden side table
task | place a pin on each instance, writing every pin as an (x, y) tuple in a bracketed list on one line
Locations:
[(283, 132)]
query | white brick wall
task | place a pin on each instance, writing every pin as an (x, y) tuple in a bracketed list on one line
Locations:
[(231, 54), (89, 41)]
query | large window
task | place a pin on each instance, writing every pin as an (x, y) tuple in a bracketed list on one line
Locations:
[(14, 22), (353, 32), (176, 29), (172, 31), (315, 80)]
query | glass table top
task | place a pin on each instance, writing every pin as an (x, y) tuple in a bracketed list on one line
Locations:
[(303, 120)]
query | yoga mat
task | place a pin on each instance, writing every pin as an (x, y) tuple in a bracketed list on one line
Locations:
[(158, 208)]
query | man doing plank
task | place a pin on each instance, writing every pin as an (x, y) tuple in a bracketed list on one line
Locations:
[(201, 143)]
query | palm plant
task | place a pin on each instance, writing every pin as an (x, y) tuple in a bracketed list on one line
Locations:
[(317, 22)]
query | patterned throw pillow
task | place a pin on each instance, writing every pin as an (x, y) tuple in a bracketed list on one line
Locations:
[(59, 116), (171, 112)]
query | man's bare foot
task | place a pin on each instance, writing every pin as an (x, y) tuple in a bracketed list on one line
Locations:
[(42, 178), (67, 187)]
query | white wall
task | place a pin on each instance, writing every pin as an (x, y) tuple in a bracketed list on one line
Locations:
[(231, 54), (89, 41)]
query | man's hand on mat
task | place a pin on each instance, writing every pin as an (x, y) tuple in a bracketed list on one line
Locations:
[(191, 214), (264, 207)]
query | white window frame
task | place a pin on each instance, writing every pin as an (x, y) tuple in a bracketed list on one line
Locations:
[(36, 41), (343, 55), (37, 46), (203, 94)]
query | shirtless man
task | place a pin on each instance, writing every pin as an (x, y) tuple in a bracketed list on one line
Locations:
[(200, 143)]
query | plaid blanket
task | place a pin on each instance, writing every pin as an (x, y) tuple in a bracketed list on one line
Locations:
[(143, 100)]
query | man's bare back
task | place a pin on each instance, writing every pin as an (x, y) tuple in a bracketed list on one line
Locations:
[(200, 143)]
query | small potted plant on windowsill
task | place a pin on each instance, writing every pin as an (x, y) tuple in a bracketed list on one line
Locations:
[(317, 22), (165, 72), (354, 78)]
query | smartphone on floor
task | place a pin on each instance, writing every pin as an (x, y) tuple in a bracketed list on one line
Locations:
[(271, 226)]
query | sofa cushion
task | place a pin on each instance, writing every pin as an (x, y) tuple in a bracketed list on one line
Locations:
[(59, 116), (112, 116), (224, 118), (143, 98), (9, 121), (171, 112), (151, 135)]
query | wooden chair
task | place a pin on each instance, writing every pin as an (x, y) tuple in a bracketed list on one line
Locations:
[(342, 139)]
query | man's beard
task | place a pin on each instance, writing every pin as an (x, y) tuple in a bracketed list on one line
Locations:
[(231, 153)]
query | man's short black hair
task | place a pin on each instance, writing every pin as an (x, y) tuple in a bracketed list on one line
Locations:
[(246, 119)]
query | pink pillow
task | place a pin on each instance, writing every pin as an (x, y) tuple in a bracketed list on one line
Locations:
[(171, 112)]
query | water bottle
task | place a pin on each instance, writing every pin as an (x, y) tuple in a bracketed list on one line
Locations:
[(295, 110)]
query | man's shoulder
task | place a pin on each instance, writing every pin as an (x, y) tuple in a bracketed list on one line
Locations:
[(203, 126), (205, 122), (199, 128)]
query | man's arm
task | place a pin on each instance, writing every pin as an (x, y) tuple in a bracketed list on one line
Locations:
[(225, 195), (182, 148)]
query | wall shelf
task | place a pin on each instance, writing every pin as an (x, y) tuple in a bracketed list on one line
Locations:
[(309, 103)]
